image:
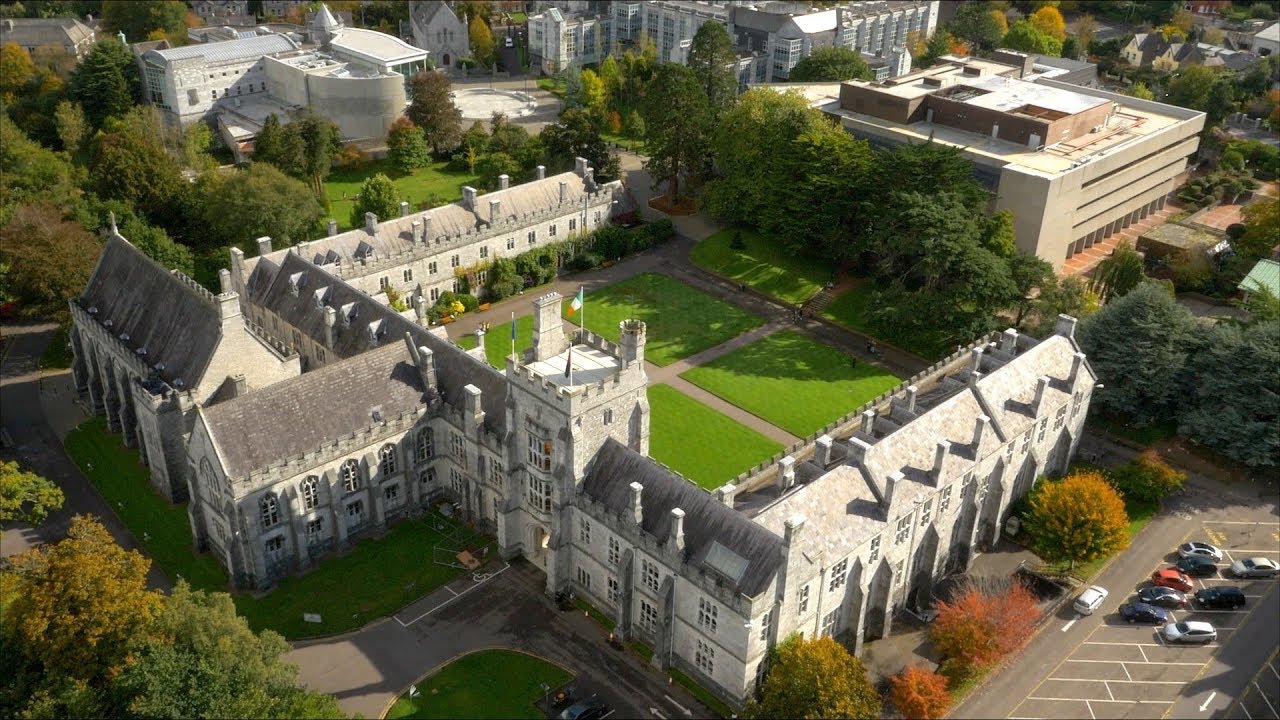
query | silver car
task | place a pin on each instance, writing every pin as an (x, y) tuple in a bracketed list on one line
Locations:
[(1090, 599), (1200, 549), (1258, 567), (1190, 631)]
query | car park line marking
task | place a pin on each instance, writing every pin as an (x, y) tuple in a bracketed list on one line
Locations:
[(1119, 702), (1273, 670), (1133, 662), (1086, 704), (1126, 672), (679, 707), (1070, 622), (1263, 695), (1108, 687), (1144, 654), (602, 717), (1135, 682), (456, 595), (657, 714), (1246, 712)]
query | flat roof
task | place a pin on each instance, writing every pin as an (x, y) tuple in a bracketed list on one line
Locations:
[(590, 367), (1007, 94)]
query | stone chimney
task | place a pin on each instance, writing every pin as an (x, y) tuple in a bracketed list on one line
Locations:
[(792, 528), (420, 308), (333, 227), (677, 528), (822, 451), (1077, 364), (858, 451), (495, 211), (229, 310), (1037, 405), (725, 493), (631, 339), (637, 509), (548, 327), (330, 320), (975, 355), (425, 361), (1066, 326), (890, 487), (786, 473), (415, 231), (469, 197), (224, 281), (504, 181), (979, 432), (426, 228), (868, 421), (1009, 341), (404, 208), (239, 385), (264, 246), (580, 167), (564, 191), (589, 177), (370, 223), (912, 391), (542, 172), (939, 459), (473, 416)]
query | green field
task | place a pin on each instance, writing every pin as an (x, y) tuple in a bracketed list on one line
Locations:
[(705, 446), (764, 265), (850, 310), (484, 684), (379, 577), (497, 342), (680, 320), (432, 183), (791, 381)]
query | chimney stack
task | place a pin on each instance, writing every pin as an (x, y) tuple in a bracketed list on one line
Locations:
[(495, 211), (1009, 341), (940, 457), (637, 510), (725, 493), (330, 320), (504, 181), (792, 528), (1037, 405), (868, 421), (333, 227), (370, 223), (415, 231), (822, 451), (469, 197), (426, 228), (564, 191), (542, 172), (589, 176), (979, 432), (1077, 364), (786, 473), (239, 385), (976, 356), (404, 208), (1066, 326), (912, 391), (224, 281), (580, 167), (264, 246), (677, 528), (858, 450), (890, 487)]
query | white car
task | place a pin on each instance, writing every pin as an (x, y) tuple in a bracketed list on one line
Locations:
[(1199, 549), (1090, 599), (1190, 631), (1258, 567)]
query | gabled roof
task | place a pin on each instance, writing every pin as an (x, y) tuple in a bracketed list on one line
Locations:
[(35, 32), (746, 550), (315, 409), (162, 311)]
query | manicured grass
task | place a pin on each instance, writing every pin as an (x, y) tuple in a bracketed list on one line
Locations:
[(632, 144), (794, 382), (704, 696), (416, 187), (764, 265), (553, 85), (680, 320), (378, 577), (850, 310), (57, 355), (497, 342), (703, 445), (484, 684)]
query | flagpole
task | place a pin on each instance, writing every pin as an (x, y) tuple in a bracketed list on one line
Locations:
[(513, 333), (583, 309)]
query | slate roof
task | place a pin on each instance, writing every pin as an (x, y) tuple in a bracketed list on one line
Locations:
[(176, 321), (271, 287), (707, 521), (841, 513), (315, 409), (1010, 389), (34, 32)]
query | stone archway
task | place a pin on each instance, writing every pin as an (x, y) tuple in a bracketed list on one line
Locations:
[(878, 618), (446, 61), (989, 497), (539, 546), (919, 594)]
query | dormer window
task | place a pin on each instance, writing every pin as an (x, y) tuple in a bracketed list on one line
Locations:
[(297, 281), (321, 297)]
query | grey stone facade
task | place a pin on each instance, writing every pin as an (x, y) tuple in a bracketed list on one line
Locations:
[(438, 30)]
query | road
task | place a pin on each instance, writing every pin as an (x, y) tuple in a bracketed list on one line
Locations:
[(1099, 667)]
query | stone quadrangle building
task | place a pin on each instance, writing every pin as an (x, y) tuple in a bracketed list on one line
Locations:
[(297, 412)]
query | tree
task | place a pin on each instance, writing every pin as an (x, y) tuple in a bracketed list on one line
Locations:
[(611, 76), (939, 44), (16, 71), (492, 165), (1048, 20), (679, 122), (31, 173), (1140, 91), (482, 44), (1137, 344), (106, 81), (204, 661), (591, 92), (1025, 36), (976, 22), (577, 134), (138, 19), (714, 64), (1262, 227), (634, 125), (1232, 401), (320, 140), (1086, 26), (1147, 478), (1077, 519), (378, 196), (25, 496), (1119, 273), (50, 260), (236, 208), (157, 245), (1069, 295), (1191, 86), (506, 137), (406, 147), (832, 64), (431, 108), (986, 619), (1029, 273), (129, 165), (920, 693), (815, 678)]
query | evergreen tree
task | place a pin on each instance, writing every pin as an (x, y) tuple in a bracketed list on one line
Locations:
[(679, 124), (269, 144), (713, 62), (377, 195), (431, 108), (106, 82), (832, 64), (139, 20), (406, 147), (1232, 403)]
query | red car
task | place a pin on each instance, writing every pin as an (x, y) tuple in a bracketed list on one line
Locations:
[(1172, 578)]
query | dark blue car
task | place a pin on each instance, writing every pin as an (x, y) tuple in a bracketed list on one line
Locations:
[(1143, 613)]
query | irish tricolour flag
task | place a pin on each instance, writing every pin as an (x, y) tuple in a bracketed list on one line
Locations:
[(576, 305)]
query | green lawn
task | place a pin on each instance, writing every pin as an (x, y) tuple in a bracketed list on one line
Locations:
[(553, 85), (57, 355), (703, 445), (680, 320), (497, 342), (379, 577), (794, 382), (484, 684), (416, 187), (763, 265), (850, 310)]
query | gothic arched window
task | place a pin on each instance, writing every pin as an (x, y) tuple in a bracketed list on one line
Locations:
[(350, 473), (310, 493), (270, 510), (387, 459)]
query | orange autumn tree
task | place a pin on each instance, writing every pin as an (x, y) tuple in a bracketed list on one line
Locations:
[(920, 693), (987, 619), (1077, 519)]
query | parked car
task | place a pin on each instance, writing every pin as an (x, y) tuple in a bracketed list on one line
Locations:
[(508, 42), (1197, 566), (1090, 599), (1141, 612), (1200, 549), (589, 709), (1172, 578), (1225, 597), (1162, 597), (1258, 567), (1190, 631)]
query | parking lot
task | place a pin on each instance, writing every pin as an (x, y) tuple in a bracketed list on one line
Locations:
[(1123, 670)]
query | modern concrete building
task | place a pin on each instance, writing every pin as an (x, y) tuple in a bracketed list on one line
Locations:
[(1074, 164), (67, 35)]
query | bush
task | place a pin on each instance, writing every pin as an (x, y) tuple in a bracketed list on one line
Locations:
[(1235, 231), (1147, 478), (660, 231), (583, 261), (919, 693), (469, 302)]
